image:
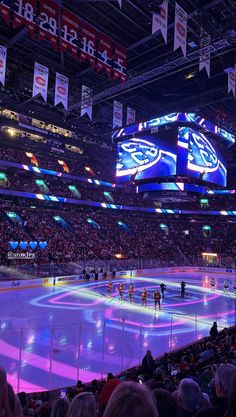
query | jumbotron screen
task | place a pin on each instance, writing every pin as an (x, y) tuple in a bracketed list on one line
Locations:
[(182, 151), (200, 157), (145, 157)]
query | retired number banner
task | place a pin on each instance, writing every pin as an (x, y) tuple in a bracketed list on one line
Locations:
[(5, 10), (181, 19), (3, 60), (87, 102), (232, 81), (119, 63), (24, 15), (88, 47), (160, 20), (69, 32), (104, 54), (61, 90), (131, 114), (117, 114), (205, 52), (40, 85), (48, 24)]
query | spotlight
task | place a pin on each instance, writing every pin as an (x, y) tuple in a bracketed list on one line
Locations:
[(11, 132)]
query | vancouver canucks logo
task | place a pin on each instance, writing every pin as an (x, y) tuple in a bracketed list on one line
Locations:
[(136, 155), (202, 156)]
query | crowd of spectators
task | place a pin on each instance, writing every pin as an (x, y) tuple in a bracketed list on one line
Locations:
[(185, 383), (27, 182), (78, 165), (74, 235)]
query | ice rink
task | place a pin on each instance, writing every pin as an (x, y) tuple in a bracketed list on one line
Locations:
[(52, 336)]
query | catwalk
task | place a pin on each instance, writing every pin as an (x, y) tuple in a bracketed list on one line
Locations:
[(50, 337)]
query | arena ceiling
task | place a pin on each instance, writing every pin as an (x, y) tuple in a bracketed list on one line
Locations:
[(159, 80)]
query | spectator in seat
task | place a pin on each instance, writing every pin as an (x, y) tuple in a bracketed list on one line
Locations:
[(223, 383), (83, 405), (3, 393), (131, 399), (189, 398), (166, 404), (60, 407), (231, 409)]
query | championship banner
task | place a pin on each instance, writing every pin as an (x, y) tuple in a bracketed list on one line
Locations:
[(5, 10), (117, 114), (232, 81), (24, 15), (61, 90), (131, 114), (104, 54), (48, 22), (69, 32), (205, 52), (160, 20), (87, 101), (88, 48), (40, 84), (181, 18), (119, 63), (3, 61)]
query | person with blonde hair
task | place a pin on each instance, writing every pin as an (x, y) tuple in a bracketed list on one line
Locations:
[(83, 405), (131, 399), (60, 407)]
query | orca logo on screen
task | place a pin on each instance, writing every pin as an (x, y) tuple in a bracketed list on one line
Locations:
[(136, 155), (202, 155)]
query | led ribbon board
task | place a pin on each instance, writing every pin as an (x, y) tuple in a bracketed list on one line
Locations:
[(173, 118)]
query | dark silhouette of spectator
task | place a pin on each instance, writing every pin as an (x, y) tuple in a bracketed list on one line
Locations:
[(148, 364), (214, 331)]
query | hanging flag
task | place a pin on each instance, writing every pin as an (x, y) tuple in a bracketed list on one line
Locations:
[(3, 61), (87, 102), (88, 47), (232, 81), (61, 90), (69, 32), (5, 10), (181, 18), (131, 114), (48, 22), (205, 52), (117, 114), (24, 15), (120, 3), (40, 84), (160, 20), (119, 62), (104, 54)]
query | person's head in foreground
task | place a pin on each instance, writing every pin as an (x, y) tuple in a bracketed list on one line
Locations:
[(83, 405), (60, 407), (190, 395), (3, 393), (224, 376), (131, 399)]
